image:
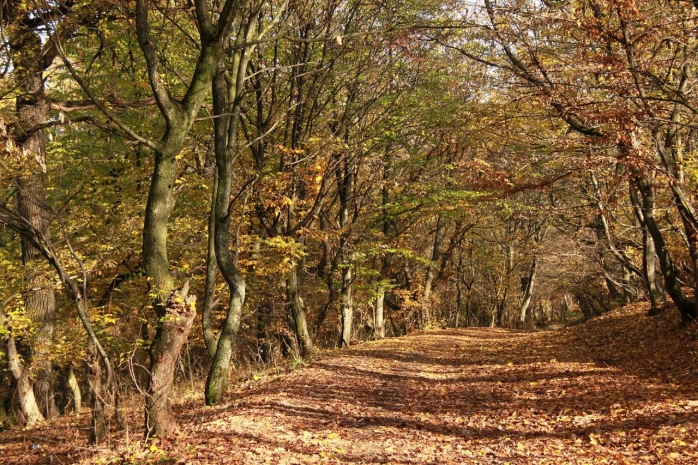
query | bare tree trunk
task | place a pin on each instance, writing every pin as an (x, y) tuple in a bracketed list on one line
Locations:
[(99, 396), (528, 291), (347, 306), (379, 320), (224, 128), (210, 301), (298, 313), (177, 316), (439, 236), (25, 392), (74, 387)]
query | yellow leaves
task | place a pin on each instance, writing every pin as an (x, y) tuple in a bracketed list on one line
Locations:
[(593, 440)]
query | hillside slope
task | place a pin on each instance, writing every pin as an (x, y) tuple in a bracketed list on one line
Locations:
[(618, 389)]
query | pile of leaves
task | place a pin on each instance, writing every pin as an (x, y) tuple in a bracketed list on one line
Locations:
[(621, 388)]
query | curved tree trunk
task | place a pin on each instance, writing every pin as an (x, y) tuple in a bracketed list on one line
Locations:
[(217, 380), (25, 393), (174, 307)]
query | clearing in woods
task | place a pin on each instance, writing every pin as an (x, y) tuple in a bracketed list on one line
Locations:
[(621, 388)]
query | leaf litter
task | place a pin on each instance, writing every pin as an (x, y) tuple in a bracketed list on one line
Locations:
[(621, 388)]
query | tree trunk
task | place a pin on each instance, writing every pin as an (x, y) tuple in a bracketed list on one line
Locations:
[(224, 132), (217, 379), (210, 301), (687, 309), (379, 320), (174, 307), (298, 313), (347, 306), (74, 388), (670, 156), (439, 236), (528, 291), (98, 396), (176, 316), (24, 391), (32, 112), (654, 290), (627, 291)]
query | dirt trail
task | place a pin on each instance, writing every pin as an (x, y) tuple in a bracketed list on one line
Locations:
[(458, 396)]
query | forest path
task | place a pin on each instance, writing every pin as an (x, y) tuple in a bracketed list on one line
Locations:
[(604, 392), (622, 388)]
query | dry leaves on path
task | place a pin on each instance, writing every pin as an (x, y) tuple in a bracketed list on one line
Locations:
[(618, 389)]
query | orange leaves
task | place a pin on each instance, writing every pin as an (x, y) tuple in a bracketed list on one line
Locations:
[(588, 394)]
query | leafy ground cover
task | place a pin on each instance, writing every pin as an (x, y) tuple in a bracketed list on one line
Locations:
[(622, 388)]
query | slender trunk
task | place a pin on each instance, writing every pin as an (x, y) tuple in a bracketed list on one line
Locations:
[(670, 155), (347, 306), (627, 291), (331, 288), (224, 132), (439, 236), (654, 290), (210, 301), (379, 320), (528, 291), (345, 184), (298, 313), (74, 388), (99, 396), (217, 380), (459, 303)]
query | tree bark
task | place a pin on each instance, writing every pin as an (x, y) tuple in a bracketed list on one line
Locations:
[(439, 236), (174, 307), (32, 112), (528, 291), (379, 319), (25, 392), (224, 136), (649, 272), (298, 313), (347, 306), (176, 316), (687, 309)]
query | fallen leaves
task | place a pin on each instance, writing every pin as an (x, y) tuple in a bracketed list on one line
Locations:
[(619, 389)]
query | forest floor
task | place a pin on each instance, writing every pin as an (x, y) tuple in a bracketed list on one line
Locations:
[(622, 388)]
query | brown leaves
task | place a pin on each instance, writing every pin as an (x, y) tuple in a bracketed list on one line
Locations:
[(617, 389)]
